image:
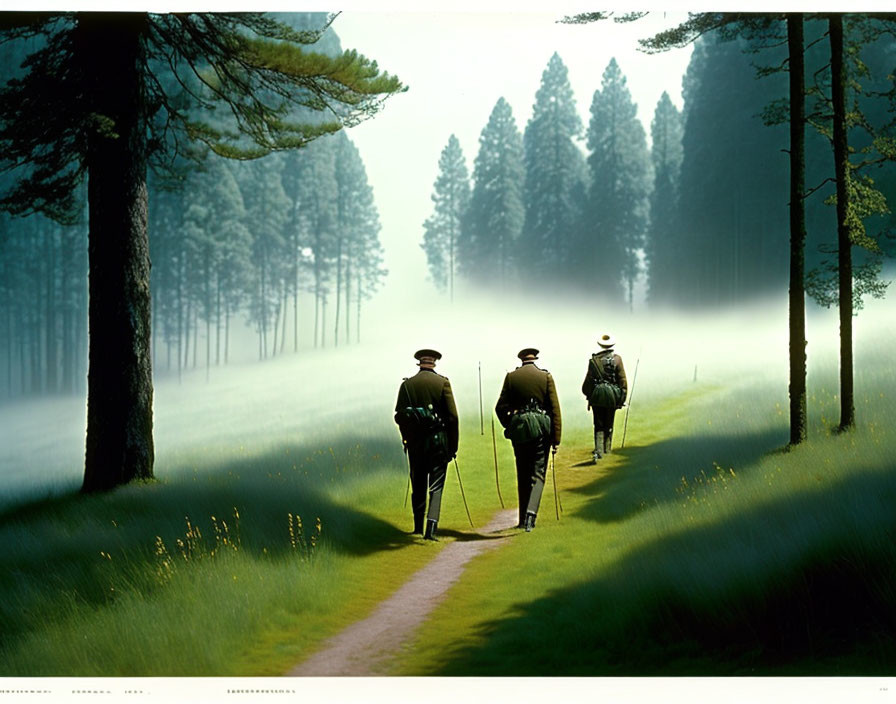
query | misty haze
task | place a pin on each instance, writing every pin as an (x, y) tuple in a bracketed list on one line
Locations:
[(214, 281)]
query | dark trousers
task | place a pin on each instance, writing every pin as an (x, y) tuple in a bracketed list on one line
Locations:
[(604, 418), (531, 470), (427, 476)]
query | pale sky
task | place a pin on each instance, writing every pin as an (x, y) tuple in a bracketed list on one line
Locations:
[(457, 65)]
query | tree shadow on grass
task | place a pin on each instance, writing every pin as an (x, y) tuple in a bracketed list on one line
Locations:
[(644, 476), (64, 547), (801, 586)]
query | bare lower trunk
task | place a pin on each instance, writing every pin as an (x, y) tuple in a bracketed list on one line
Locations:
[(797, 303), (119, 397), (844, 243)]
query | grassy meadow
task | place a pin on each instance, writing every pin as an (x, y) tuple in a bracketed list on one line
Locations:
[(277, 516)]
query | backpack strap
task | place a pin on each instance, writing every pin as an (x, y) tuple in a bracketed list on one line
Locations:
[(598, 372)]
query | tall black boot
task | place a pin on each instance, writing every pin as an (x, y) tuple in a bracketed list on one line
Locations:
[(418, 522), (430, 530), (530, 521)]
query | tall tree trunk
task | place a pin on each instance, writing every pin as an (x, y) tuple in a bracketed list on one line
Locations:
[(188, 321), (218, 320), (264, 306), (348, 300), (81, 325), (338, 293), (208, 314), (844, 243), (180, 316), (316, 299), (50, 357), (797, 304), (358, 318), (276, 326), (226, 331), (119, 401), (285, 308), (295, 312)]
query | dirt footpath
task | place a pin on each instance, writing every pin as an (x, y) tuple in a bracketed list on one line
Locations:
[(365, 647)]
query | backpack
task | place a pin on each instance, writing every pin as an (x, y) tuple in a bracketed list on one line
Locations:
[(529, 424), (422, 427), (606, 392)]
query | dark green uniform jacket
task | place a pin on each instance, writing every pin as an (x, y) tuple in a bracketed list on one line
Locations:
[(425, 388), (526, 383)]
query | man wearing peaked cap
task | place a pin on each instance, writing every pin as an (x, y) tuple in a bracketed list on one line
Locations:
[(529, 410), (427, 419), (605, 387)]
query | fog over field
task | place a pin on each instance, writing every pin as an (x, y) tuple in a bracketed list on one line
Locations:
[(317, 395)]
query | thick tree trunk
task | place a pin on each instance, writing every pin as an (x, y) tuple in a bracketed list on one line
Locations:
[(119, 400), (797, 230), (844, 243)]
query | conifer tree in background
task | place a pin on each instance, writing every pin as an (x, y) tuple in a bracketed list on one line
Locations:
[(615, 219), (358, 224), (554, 180), (231, 252), (313, 171), (451, 198), (267, 213), (91, 103), (662, 238), (368, 270), (494, 220)]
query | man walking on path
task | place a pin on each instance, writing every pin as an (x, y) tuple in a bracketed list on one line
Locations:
[(529, 410), (605, 387), (427, 418)]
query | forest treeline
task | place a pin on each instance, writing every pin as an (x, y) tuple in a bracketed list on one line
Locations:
[(587, 207), (287, 244)]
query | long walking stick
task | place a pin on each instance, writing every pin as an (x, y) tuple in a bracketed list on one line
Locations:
[(463, 496), (629, 404), (557, 507), (408, 490), (481, 426), (495, 452)]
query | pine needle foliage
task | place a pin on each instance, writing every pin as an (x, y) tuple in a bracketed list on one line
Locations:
[(240, 84)]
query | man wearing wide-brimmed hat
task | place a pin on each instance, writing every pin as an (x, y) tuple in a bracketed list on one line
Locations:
[(529, 410), (427, 418), (605, 387)]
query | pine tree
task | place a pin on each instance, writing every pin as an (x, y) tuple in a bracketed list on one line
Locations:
[(554, 180), (267, 213), (451, 198), (617, 206), (662, 244), (358, 226), (93, 102), (494, 220)]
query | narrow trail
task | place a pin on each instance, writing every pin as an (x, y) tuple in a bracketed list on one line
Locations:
[(365, 647)]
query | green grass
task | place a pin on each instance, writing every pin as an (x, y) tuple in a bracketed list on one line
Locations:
[(702, 547)]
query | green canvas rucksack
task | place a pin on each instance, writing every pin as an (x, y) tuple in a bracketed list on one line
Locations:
[(606, 392), (527, 425), (422, 427)]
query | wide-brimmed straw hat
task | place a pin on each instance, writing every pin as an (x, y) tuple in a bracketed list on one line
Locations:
[(606, 340)]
